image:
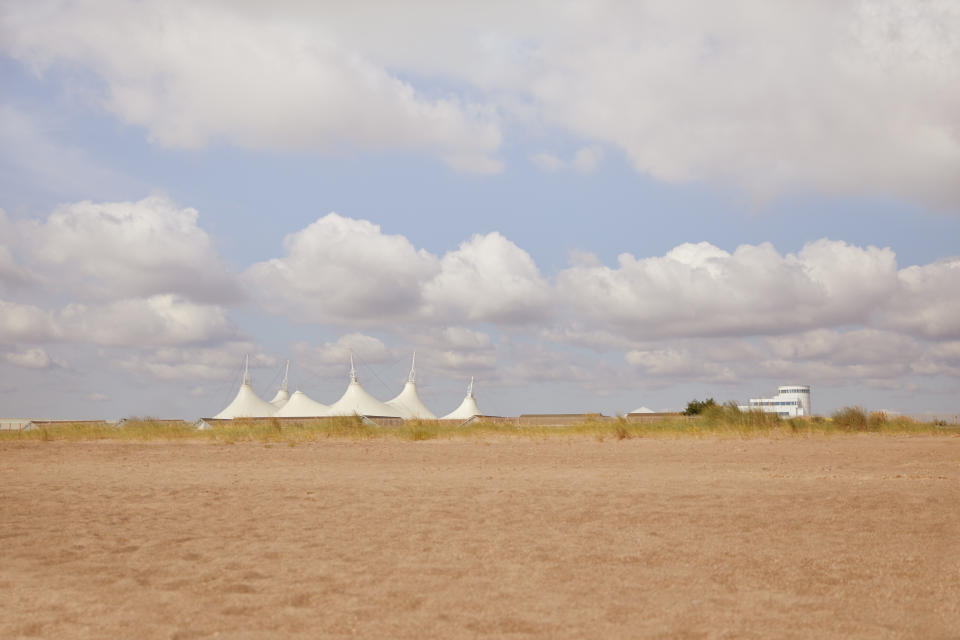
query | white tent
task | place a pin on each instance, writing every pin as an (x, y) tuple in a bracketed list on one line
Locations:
[(247, 404), (408, 402), (356, 401), (282, 394), (301, 405), (643, 410), (467, 409)]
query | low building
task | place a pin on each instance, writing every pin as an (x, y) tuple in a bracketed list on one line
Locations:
[(791, 401)]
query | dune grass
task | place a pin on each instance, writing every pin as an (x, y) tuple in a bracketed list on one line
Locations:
[(717, 421)]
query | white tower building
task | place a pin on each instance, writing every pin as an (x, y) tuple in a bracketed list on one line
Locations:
[(791, 401)]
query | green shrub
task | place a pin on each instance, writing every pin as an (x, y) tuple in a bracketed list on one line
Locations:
[(696, 407)]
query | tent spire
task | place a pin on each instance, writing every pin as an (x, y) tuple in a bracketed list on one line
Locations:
[(246, 368), (353, 369), (286, 374), (413, 369), (470, 388)]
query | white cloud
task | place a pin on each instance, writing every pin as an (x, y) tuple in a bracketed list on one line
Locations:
[(12, 273), (196, 73), (767, 95), (587, 159), (342, 270), (136, 322), (458, 338), (347, 271), (538, 363), (141, 322), (547, 162), (454, 351), (584, 160), (488, 279), (191, 364), (119, 249), (859, 346), (928, 302), (337, 353), (680, 364), (26, 323), (699, 289), (331, 360), (33, 358)]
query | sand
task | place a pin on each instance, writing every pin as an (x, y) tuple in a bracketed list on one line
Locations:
[(846, 536)]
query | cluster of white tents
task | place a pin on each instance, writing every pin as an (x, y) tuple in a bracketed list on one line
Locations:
[(354, 401)]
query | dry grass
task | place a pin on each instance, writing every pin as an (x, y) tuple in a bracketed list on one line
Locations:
[(720, 421)]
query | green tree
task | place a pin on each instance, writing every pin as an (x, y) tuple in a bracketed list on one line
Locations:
[(696, 407)]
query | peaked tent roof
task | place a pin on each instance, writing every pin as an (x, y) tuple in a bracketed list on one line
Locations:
[(408, 402), (467, 409), (247, 404), (282, 394), (643, 410), (281, 399), (301, 405), (356, 401)]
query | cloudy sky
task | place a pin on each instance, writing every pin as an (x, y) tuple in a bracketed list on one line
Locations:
[(589, 206)]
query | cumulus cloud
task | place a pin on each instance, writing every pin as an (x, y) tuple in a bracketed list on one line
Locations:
[(192, 363), (342, 270), (347, 271), (678, 364), (538, 363), (547, 162), (154, 321), (489, 279), (454, 351), (585, 160), (157, 320), (770, 96), (13, 275), (860, 346), (928, 302), (258, 81), (874, 358), (117, 249), (26, 323), (458, 338), (699, 289), (33, 358), (364, 348)]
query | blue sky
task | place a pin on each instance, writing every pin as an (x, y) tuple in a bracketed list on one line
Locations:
[(586, 206)]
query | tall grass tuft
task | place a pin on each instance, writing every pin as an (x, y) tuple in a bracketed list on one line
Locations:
[(850, 419), (716, 421)]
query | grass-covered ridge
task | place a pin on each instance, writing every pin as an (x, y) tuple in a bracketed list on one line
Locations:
[(716, 421)]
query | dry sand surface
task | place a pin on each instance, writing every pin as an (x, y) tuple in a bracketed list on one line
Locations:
[(842, 536)]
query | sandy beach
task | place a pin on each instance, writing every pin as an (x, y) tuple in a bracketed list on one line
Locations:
[(845, 536)]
